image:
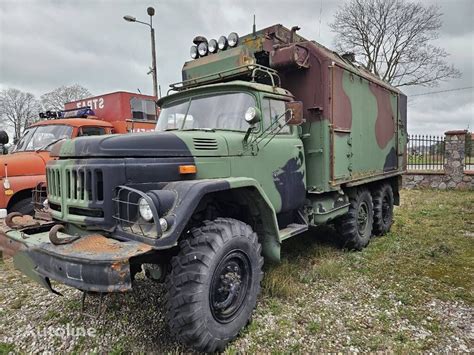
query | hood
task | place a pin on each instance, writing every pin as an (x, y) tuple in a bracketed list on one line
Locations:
[(151, 144), (22, 163)]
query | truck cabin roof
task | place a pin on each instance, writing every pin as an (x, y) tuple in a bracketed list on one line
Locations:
[(236, 85)]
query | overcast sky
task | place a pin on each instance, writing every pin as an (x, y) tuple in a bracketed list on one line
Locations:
[(49, 43)]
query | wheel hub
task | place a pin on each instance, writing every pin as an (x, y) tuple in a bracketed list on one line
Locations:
[(386, 210), (363, 217), (229, 286)]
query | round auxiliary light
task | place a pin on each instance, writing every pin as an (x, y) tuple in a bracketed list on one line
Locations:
[(145, 210), (233, 39), (250, 114), (212, 46), (202, 49), (194, 52), (222, 43)]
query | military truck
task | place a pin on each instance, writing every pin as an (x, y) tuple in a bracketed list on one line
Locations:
[(266, 136)]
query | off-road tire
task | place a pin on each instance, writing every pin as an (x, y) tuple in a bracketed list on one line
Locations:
[(24, 207), (196, 271), (382, 198), (353, 235)]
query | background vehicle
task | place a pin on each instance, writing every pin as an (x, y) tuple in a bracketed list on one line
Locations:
[(21, 171), (236, 166), (3, 142)]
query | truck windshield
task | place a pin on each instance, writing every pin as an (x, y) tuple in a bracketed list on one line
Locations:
[(35, 138), (222, 111)]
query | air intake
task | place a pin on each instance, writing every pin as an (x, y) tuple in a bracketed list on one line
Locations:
[(205, 144)]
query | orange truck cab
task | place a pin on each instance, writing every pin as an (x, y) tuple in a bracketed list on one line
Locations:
[(24, 168)]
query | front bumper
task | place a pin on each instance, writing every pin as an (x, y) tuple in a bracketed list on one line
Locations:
[(92, 263)]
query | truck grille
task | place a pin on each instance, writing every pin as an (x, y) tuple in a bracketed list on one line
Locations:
[(78, 184)]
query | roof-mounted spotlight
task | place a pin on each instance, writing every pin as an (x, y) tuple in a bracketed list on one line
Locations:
[(199, 39), (222, 43), (194, 52), (212, 46), (233, 39), (202, 49)]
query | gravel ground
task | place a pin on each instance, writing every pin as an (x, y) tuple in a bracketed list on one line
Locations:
[(35, 320), (332, 312)]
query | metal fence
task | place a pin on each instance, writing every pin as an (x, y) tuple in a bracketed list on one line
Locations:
[(469, 152), (426, 152)]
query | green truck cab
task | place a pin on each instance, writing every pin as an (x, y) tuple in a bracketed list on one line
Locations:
[(266, 136)]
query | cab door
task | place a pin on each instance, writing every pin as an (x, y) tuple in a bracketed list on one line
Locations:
[(275, 158)]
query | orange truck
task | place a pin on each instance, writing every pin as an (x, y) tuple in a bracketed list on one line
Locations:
[(24, 168)]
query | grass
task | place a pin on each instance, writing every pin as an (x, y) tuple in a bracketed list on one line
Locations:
[(430, 250), (6, 348), (427, 257)]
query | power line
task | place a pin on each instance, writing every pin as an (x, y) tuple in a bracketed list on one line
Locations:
[(438, 92)]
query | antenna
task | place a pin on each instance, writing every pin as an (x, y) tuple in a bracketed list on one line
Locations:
[(138, 89), (320, 16), (254, 28)]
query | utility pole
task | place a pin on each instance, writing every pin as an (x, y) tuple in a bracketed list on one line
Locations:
[(151, 12), (153, 71)]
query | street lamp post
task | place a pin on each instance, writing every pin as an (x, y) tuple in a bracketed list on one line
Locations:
[(153, 71)]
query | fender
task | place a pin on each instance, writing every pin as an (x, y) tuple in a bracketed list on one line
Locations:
[(19, 184), (188, 195)]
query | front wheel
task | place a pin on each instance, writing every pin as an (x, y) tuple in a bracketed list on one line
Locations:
[(214, 283), (25, 207)]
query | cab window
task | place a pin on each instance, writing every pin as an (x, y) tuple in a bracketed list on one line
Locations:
[(274, 110), (91, 131), (143, 110)]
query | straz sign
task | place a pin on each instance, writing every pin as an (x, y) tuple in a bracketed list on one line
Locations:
[(94, 104)]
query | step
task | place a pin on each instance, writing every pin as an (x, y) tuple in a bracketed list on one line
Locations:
[(292, 230)]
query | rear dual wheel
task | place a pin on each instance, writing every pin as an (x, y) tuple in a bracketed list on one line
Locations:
[(383, 209), (355, 227), (370, 213)]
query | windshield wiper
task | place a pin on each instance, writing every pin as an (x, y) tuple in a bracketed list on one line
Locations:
[(50, 144), (200, 129)]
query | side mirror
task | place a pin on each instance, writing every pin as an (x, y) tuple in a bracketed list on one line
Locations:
[(3, 137), (294, 113), (253, 115)]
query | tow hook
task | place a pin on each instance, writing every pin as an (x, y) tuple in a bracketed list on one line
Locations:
[(25, 222), (54, 239)]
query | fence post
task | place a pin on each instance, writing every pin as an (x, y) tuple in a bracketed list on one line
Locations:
[(454, 151)]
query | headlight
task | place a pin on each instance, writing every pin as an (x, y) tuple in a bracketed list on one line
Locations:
[(233, 39), (212, 46), (193, 52), (145, 210), (202, 49), (222, 43)]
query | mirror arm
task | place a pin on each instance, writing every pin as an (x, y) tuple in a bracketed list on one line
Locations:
[(262, 136), (247, 134)]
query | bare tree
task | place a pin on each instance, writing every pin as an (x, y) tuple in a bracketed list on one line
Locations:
[(56, 99), (18, 110), (393, 39)]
